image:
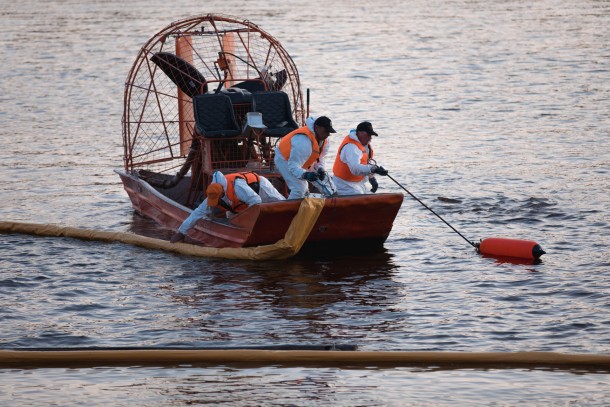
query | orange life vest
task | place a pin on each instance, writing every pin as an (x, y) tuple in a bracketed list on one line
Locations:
[(253, 181), (341, 169), (285, 145)]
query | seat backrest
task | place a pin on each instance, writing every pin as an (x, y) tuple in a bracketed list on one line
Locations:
[(252, 85), (186, 76), (214, 116), (275, 107)]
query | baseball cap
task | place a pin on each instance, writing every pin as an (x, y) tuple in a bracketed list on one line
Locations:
[(326, 123), (367, 127), (214, 193)]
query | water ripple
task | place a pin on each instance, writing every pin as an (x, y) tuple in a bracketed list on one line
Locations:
[(493, 114)]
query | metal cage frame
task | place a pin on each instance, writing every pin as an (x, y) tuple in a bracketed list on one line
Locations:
[(157, 128)]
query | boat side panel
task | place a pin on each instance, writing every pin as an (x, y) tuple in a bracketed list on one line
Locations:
[(170, 215), (363, 218), (271, 221)]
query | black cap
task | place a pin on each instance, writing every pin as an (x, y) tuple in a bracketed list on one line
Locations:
[(367, 127), (326, 123)]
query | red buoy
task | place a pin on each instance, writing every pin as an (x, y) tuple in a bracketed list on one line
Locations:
[(497, 246)]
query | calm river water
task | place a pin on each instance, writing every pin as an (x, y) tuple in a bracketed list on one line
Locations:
[(500, 106)]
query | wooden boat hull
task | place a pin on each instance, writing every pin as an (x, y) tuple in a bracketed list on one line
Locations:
[(345, 221)]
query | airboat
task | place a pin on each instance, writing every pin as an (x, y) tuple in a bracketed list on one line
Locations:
[(215, 93)]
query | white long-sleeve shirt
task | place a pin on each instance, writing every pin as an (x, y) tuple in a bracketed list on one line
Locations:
[(243, 192), (301, 150), (351, 155), (292, 169)]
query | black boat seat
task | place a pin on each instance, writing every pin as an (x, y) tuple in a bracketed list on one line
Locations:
[(276, 111), (214, 116)]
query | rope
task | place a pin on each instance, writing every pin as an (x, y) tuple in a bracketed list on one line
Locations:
[(437, 215)]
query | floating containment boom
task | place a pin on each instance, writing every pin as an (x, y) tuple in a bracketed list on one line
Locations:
[(23, 359), (296, 235)]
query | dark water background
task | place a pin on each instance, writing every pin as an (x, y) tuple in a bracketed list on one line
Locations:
[(501, 106)]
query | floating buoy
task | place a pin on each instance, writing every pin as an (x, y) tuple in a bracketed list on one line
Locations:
[(501, 247), (493, 246)]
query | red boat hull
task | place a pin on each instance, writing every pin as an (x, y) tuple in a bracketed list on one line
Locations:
[(344, 220)]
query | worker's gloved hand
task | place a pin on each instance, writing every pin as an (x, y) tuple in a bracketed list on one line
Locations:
[(321, 174), (178, 237), (310, 176), (374, 184), (379, 170)]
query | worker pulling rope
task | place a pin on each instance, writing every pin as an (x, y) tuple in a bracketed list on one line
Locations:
[(295, 237)]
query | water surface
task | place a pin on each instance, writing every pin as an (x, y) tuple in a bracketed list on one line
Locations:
[(500, 107)]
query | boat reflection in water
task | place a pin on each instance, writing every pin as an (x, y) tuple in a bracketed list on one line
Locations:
[(305, 301)]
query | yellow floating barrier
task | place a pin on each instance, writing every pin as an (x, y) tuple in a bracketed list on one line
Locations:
[(295, 237), (300, 358)]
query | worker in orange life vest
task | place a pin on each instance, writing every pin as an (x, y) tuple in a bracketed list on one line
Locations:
[(352, 165), (230, 194), (299, 156)]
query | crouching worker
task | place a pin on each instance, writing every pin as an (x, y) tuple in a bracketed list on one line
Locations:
[(352, 168), (228, 195), (299, 156)]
